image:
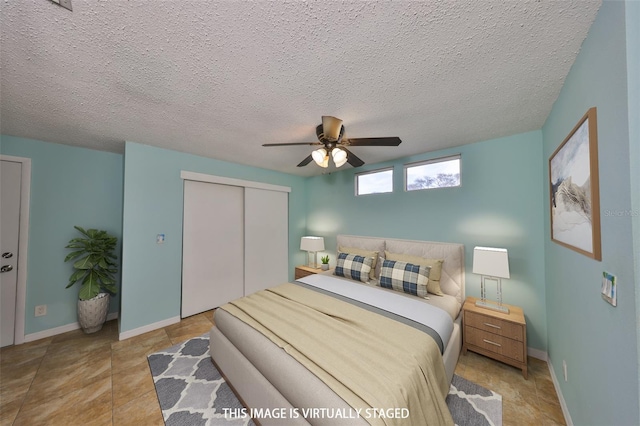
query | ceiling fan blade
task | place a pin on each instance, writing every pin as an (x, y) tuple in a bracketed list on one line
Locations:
[(352, 159), (331, 127), (305, 161), (292, 143), (390, 141)]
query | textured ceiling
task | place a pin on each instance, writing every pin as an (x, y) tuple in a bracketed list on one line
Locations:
[(220, 79)]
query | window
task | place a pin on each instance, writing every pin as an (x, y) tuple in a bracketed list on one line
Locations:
[(375, 182), (437, 173)]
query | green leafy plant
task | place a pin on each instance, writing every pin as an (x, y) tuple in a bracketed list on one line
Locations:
[(95, 266), (325, 259)]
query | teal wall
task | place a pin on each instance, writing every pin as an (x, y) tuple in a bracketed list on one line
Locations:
[(153, 191), (598, 341), (498, 204), (633, 71), (69, 186)]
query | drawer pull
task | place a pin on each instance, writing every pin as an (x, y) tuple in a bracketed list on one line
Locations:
[(491, 343), (492, 326)]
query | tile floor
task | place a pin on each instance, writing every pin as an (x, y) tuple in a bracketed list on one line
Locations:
[(78, 379)]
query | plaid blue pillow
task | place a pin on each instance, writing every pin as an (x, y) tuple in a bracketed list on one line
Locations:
[(406, 277), (353, 266)]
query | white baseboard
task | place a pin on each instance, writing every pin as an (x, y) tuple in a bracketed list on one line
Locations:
[(59, 330), (538, 354), (563, 404), (148, 328)]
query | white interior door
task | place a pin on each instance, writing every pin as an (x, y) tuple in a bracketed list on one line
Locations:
[(10, 181), (266, 248), (213, 246)]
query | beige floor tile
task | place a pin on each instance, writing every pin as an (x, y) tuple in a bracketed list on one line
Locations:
[(76, 378), (143, 410), (545, 389), (90, 405), (552, 411), (188, 328), (9, 408), (208, 315), (521, 413), (146, 339), (59, 376), (537, 366), (15, 385), (26, 352), (135, 355), (19, 376), (130, 384)]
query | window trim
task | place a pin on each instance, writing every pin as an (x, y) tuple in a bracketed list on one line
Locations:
[(370, 172), (432, 161)]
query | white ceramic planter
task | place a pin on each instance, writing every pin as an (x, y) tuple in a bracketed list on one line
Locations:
[(325, 266), (92, 313)]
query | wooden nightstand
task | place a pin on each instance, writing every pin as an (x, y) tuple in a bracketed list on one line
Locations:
[(303, 271), (496, 335)]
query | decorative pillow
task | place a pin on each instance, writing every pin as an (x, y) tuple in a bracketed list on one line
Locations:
[(353, 266), (436, 269), (365, 253), (403, 276)]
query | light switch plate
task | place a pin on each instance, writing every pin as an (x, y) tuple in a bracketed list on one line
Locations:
[(609, 288)]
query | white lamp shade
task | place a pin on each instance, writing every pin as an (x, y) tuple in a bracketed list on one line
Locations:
[(319, 155), (339, 156), (312, 243), (493, 262)]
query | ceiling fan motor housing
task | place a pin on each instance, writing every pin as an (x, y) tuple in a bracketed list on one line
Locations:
[(328, 142)]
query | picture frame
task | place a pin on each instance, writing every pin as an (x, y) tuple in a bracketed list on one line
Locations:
[(574, 192)]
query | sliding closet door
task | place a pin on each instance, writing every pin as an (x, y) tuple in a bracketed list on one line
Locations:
[(266, 248), (213, 246)]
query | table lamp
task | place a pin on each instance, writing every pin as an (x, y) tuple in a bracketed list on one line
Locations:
[(312, 245), (492, 264)]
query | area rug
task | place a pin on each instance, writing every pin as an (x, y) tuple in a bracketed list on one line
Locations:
[(192, 392)]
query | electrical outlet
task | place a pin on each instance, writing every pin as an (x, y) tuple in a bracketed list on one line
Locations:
[(564, 370), (41, 310)]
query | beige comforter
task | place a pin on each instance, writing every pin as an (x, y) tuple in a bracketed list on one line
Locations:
[(372, 362)]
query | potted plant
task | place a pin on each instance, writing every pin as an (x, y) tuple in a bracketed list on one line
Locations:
[(95, 269), (325, 263)]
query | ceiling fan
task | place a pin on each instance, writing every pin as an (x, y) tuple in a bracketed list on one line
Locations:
[(331, 137)]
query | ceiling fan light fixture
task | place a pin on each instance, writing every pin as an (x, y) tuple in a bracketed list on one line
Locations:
[(330, 134), (339, 156), (319, 156), (331, 127)]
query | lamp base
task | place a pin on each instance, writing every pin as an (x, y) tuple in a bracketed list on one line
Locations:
[(312, 260), (492, 306)]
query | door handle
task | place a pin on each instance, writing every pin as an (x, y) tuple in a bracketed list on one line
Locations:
[(7, 255), (6, 268)]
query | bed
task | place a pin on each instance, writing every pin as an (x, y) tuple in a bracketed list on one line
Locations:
[(264, 376)]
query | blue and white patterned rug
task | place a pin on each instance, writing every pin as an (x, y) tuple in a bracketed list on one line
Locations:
[(192, 392)]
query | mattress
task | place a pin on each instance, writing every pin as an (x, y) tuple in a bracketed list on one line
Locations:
[(265, 376), (446, 302), (301, 388)]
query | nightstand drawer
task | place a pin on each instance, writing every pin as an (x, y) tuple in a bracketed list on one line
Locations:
[(494, 325), (494, 343)]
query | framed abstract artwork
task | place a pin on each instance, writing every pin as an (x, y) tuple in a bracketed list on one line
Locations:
[(574, 189)]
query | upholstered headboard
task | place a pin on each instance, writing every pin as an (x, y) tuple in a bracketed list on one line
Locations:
[(452, 280)]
